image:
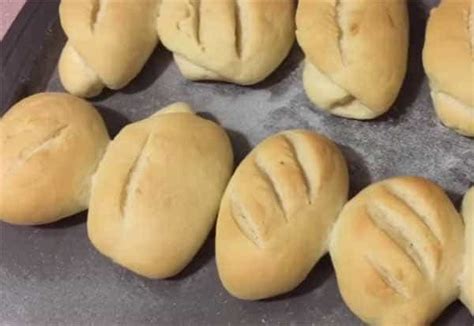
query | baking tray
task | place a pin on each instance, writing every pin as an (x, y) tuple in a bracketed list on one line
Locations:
[(51, 275)]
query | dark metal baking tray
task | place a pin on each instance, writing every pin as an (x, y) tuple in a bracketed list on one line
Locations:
[(51, 275)]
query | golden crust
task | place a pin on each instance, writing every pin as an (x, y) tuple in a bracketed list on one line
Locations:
[(396, 249), (360, 46), (113, 38), (448, 58), (467, 276), (277, 212), (240, 41), (50, 145), (157, 191)]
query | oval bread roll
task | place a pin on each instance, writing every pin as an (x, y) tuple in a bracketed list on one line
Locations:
[(239, 41), (277, 212), (467, 277), (448, 58), (397, 252), (157, 191), (50, 146), (356, 54), (109, 42)]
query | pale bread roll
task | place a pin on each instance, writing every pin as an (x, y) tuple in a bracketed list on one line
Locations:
[(467, 276), (356, 54), (157, 191), (109, 42), (50, 146), (238, 41), (397, 252), (448, 58), (277, 212)]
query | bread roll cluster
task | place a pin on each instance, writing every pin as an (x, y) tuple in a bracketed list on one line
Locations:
[(153, 192), (356, 51), (239, 41), (400, 250), (397, 247)]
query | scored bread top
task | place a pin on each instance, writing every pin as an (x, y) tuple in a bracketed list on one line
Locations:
[(448, 55), (467, 276), (114, 38), (361, 46), (396, 249), (50, 145), (157, 191), (277, 212), (240, 41)]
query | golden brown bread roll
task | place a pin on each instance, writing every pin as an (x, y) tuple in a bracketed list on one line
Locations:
[(448, 58), (109, 42), (467, 276), (277, 212), (50, 146), (397, 252), (157, 191), (239, 41), (356, 54)]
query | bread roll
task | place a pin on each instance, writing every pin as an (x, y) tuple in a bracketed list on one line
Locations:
[(397, 252), (467, 277), (50, 145), (448, 58), (109, 42), (238, 41), (157, 191), (277, 212), (356, 54)]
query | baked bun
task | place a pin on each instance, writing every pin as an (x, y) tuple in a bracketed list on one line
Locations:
[(356, 54), (448, 59), (157, 191), (467, 277), (238, 41), (397, 252), (50, 146), (108, 43), (277, 212)]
